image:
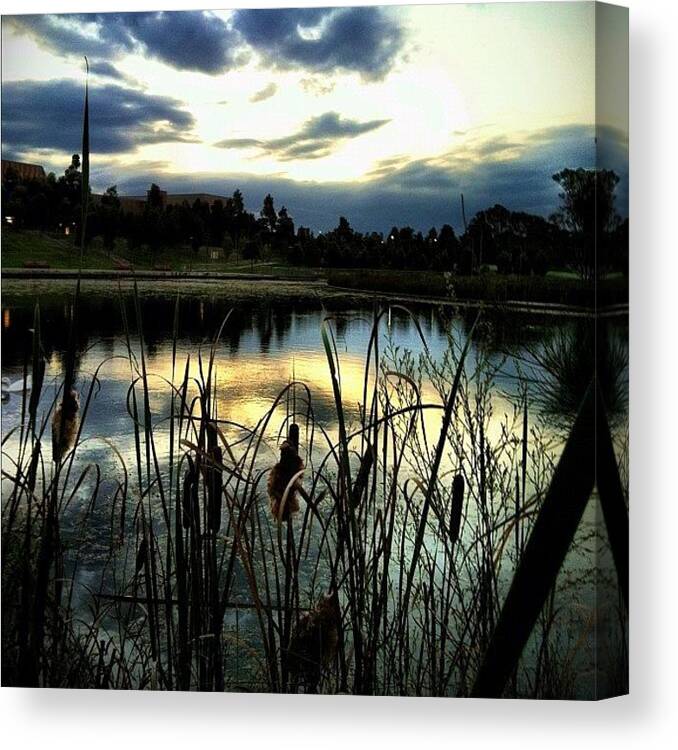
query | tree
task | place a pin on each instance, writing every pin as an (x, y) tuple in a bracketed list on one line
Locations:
[(109, 217), (587, 211), (238, 203), (285, 226), (448, 247), (198, 233), (154, 197), (69, 195), (251, 252), (268, 214), (217, 223), (72, 174), (237, 224)]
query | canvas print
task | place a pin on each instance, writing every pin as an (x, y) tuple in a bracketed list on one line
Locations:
[(315, 350)]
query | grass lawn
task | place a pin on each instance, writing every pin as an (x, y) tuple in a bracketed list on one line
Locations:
[(22, 247), (559, 287)]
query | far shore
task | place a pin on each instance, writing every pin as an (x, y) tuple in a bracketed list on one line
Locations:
[(239, 284)]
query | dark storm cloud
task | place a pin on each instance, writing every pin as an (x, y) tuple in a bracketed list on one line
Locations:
[(423, 192), (362, 40), (318, 137), (188, 40), (48, 115), (105, 69)]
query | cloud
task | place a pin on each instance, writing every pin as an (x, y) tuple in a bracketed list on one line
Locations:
[(105, 69), (187, 40), (266, 93), (317, 86), (47, 115), (318, 137), (422, 192), (239, 143), (322, 40), (364, 40)]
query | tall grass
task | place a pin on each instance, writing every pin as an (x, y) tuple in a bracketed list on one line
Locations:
[(414, 512)]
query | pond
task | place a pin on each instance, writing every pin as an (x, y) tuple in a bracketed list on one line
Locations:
[(271, 337)]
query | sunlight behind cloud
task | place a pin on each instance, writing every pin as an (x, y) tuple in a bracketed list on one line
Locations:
[(466, 80)]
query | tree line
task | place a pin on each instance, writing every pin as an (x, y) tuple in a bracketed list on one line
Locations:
[(585, 234)]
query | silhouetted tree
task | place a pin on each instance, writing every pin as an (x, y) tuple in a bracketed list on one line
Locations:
[(268, 214), (108, 217), (251, 252), (587, 211), (285, 226)]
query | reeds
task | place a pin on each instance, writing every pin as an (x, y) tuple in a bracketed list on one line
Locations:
[(415, 534)]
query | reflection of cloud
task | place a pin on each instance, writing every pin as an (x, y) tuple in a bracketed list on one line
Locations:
[(318, 137), (48, 115), (266, 93)]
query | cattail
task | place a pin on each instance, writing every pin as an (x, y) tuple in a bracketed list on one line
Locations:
[(65, 425), (457, 507), (360, 484), (282, 474), (142, 556), (314, 642), (214, 488), (189, 500), (293, 436)]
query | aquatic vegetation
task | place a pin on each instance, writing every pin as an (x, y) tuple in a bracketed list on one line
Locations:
[(412, 509)]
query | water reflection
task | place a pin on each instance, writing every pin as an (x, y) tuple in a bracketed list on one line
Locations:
[(269, 339)]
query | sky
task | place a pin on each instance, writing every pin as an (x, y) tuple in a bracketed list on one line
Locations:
[(382, 114)]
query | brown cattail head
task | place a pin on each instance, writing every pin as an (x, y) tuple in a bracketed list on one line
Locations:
[(142, 556), (314, 641), (65, 425), (189, 500), (278, 480), (457, 507), (215, 488), (212, 435), (293, 436), (360, 484)]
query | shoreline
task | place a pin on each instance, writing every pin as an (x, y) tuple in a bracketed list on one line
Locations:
[(315, 286)]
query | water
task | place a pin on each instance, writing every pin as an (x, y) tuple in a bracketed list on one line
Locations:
[(272, 336)]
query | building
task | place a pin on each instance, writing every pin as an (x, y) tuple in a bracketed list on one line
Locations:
[(135, 204), (22, 170)]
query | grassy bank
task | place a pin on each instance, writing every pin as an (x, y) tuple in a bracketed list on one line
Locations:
[(552, 288), (41, 250), (25, 249)]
